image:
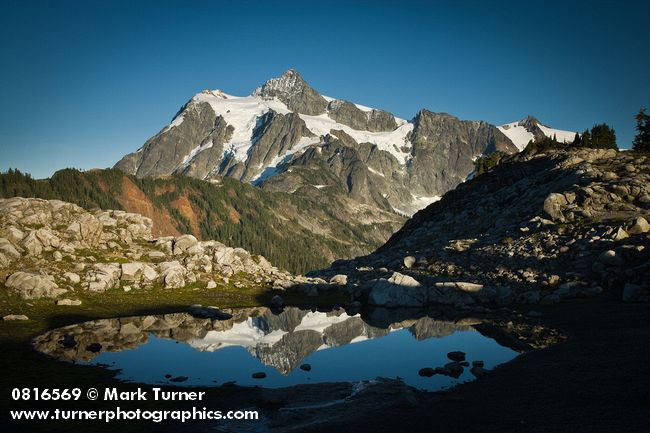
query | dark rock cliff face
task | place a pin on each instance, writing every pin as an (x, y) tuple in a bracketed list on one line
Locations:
[(165, 152), (274, 135), (340, 162), (205, 160), (349, 114), (444, 148)]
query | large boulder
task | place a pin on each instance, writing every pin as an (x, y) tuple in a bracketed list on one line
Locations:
[(86, 229), (640, 226), (13, 234), (132, 271), (339, 279), (72, 277), (29, 285), (47, 238), (184, 243), (173, 274), (224, 256), (398, 291), (32, 245), (553, 205), (104, 276), (8, 249)]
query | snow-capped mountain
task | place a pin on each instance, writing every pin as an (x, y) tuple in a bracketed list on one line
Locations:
[(525, 130), (286, 136)]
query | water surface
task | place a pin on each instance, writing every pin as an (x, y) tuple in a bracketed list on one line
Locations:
[(338, 347)]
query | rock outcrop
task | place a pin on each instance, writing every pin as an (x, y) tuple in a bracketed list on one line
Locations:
[(49, 247), (538, 228)]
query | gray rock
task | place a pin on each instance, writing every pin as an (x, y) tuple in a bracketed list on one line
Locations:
[(620, 234), (409, 261), (550, 299), (72, 277), (553, 280), (149, 274), (8, 249), (398, 291), (104, 276), (640, 226), (609, 258), (47, 238), (184, 243), (10, 317), (132, 271), (87, 229), (553, 206), (469, 287), (156, 255), (455, 368), (32, 286), (173, 274), (13, 234), (339, 279), (530, 297), (32, 245), (68, 302)]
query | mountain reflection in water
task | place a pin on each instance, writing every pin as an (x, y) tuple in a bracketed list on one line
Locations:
[(338, 347)]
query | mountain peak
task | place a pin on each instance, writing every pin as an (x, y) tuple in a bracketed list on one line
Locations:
[(290, 82), (294, 91), (529, 128), (291, 72), (529, 122)]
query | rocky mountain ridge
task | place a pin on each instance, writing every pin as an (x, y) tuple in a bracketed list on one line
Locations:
[(286, 135), (530, 129), (538, 228)]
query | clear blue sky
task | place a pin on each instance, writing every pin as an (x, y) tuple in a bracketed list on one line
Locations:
[(84, 82)]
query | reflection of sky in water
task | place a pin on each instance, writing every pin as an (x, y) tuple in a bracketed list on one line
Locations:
[(396, 354)]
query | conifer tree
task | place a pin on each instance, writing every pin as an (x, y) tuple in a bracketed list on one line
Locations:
[(603, 137), (585, 140), (642, 139), (577, 142)]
